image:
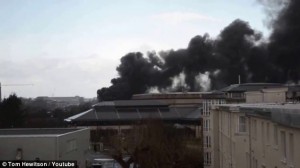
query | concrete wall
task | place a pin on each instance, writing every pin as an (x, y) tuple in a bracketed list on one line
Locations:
[(32, 147), (69, 146), (74, 146), (272, 95)]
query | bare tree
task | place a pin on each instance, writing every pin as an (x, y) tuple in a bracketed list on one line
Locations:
[(154, 145)]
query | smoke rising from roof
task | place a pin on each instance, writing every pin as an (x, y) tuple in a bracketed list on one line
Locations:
[(238, 50)]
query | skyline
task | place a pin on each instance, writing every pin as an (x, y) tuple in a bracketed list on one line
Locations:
[(69, 48)]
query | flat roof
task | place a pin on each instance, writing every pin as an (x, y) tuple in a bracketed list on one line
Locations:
[(37, 131)]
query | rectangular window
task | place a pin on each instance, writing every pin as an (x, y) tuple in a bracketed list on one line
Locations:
[(263, 133), (291, 148), (254, 129), (71, 145), (283, 145), (242, 124), (207, 142), (263, 138), (207, 158), (275, 136), (206, 125), (268, 133)]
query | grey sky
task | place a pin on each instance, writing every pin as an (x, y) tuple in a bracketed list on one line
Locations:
[(72, 47)]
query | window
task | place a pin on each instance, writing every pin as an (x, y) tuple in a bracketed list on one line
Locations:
[(207, 158), (291, 148), (275, 136), (242, 124), (268, 133), (71, 145), (254, 129), (207, 142), (206, 125), (263, 132), (263, 137), (283, 146)]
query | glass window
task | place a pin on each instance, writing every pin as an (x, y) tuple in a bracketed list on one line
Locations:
[(275, 135), (283, 145), (291, 148), (268, 133), (242, 124)]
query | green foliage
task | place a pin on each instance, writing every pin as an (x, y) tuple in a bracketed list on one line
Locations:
[(11, 112)]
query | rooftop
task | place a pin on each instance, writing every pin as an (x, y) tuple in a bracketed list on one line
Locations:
[(177, 95), (112, 113), (250, 87), (287, 114), (37, 131)]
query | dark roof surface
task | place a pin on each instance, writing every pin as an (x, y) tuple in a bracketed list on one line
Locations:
[(134, 114), (37, 131), (118, 103)]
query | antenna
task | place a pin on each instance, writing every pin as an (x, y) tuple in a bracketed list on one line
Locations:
[(27, 84), (239, 79)]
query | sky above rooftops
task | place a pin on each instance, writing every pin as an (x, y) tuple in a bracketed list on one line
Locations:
[(72, 47)]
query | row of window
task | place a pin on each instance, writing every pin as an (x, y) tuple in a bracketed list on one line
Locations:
[(285, 141), (207, 105)]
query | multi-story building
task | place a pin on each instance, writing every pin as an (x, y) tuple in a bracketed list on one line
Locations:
[(208, 101), (237, 93), (256, 135)]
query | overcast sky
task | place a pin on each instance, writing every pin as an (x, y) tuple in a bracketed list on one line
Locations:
[(72, 47)]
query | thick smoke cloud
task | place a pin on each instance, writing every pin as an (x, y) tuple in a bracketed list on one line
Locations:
[(284, 46), (237, 51)]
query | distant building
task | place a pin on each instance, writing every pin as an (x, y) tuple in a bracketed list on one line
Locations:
[(122, 114), (293, 94), (256, 135), (61, 102), (236, 93), (45, 144)]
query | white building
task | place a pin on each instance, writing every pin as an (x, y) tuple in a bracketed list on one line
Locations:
[(257, 136), (45, 144), (208, 138), (237, 93)]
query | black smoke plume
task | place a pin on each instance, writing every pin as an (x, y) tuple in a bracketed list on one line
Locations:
[(237, 51), (284, 46)]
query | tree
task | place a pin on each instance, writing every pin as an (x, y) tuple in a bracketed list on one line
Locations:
[(11, 112), (154, 145)]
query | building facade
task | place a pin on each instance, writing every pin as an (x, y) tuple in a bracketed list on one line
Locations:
[(208, 123), (257, 136)]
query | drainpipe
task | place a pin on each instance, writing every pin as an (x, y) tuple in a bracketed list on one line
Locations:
[(250, 143), (230, 140)]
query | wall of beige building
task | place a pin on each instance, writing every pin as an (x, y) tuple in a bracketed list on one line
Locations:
[(208, 134), (270, 95), (262, 144)]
